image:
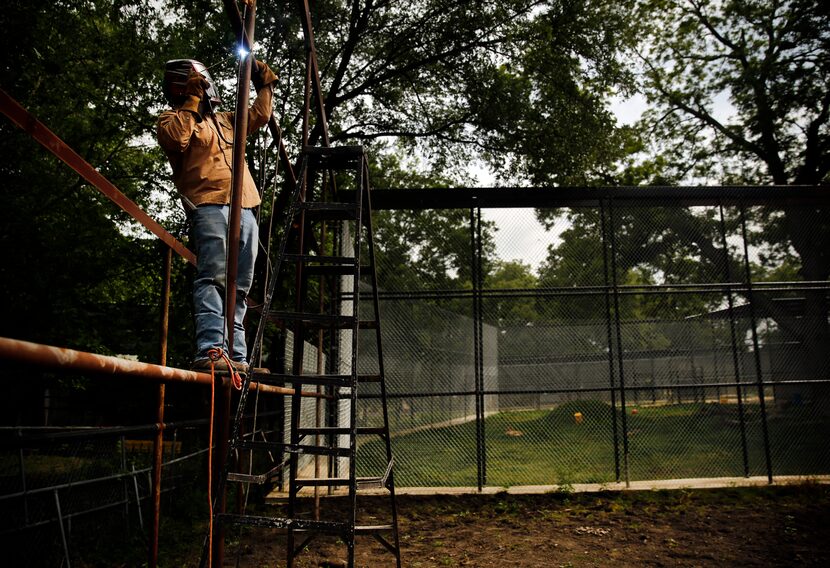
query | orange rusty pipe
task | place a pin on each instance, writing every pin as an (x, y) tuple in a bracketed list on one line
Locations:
[(49, 140), (61, 358)]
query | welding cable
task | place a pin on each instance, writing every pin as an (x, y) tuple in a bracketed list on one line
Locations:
[(216, 354), (210, 466)]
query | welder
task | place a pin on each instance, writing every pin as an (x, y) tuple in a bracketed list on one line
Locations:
[(198, 141)]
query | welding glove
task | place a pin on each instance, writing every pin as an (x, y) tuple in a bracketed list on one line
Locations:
[(194, 91), (265, 74)]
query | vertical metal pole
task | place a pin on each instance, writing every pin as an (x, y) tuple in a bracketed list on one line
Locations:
[(307, 96), (715, 366), (318, 402), (476, 339), (756, 352), (158, 443), (126, 491), (240, 134), (480, 344), (619, 340), (137, 499), (611, 373), (63, 532), (23, 480), (297, 369), (733, 334)]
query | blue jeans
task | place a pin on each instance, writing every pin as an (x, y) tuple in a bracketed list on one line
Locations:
[(209, 232)]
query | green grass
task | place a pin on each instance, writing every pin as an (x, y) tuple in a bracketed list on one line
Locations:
[(664, 442)]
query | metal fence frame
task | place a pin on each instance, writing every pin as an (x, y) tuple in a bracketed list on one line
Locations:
[(607, 201)]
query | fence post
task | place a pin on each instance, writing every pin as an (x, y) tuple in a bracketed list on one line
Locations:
[(158, 443), (480, 344), (23, 479), (733, 335), (759, 380), (137, 499), (478, 340), (63, 532), (619, 339), (124, 482), (611, 373)]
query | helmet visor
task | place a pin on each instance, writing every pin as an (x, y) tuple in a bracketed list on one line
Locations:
[(175, 80)]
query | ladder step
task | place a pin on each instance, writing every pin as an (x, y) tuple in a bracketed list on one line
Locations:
[(322, 320), (370, 529), (317, 211), (294, 449), (370, 483), (335, 527), (318, 450), (319, 259), (362, 482), (325, 380), (259, 479), (313, 379), (332, 270), (335, 158), (340, 431), (277, 379)]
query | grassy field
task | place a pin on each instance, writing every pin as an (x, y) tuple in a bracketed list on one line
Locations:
[(664, 442)]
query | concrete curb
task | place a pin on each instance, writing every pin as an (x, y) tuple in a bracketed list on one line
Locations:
[(649, 485)]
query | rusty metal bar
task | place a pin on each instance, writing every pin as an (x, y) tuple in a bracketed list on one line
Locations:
[(64, 359), (158, 443), (49, 140), (232, 10), (240, 136), (314, 70)]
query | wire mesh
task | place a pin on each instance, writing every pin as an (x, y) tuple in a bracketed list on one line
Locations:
[(60, 479), (630, 343), (637, 347)]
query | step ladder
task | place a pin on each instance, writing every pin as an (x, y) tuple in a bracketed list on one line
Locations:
[(322, 251)]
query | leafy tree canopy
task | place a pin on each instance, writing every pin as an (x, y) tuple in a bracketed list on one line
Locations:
[(739, 88)]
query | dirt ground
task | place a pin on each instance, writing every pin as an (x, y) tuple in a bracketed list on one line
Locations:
[(764, 527)]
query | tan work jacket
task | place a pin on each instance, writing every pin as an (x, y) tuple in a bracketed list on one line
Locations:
[(201, 159)]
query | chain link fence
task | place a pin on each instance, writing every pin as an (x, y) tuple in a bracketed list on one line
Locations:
[(57, 481), (640, 342), (655, 342), (63, 489)]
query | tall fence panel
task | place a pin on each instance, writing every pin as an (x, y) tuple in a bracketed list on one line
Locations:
[(652, 339)]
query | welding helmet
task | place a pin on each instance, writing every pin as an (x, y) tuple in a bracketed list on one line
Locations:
[(176, 72)]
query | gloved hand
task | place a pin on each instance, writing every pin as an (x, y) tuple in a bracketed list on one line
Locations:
[(265, 74), (194, 90), (196, 85)]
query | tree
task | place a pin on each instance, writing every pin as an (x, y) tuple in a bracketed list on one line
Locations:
[(520, 83), (431, 74), (510, 311), (76, 271), (770, 61)]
